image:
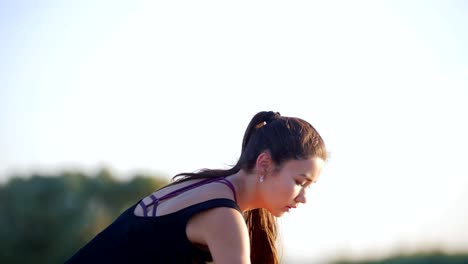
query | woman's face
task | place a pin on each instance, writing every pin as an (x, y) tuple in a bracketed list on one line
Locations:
[(285, 188)]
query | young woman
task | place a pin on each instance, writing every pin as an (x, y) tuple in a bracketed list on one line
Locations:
[(224, 216)]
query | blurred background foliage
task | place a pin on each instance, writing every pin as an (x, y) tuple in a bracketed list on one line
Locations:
[(416, 258), (47, 218)]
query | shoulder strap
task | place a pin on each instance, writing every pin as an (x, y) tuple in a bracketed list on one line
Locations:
[(230, 185), (155, 199), (188, 187)]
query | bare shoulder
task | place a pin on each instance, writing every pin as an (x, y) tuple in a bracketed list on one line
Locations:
[(224, 231), (186, 198)]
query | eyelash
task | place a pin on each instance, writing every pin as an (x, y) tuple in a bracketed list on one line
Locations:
[(302, 184)]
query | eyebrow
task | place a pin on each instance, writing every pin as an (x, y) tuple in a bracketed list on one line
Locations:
[(307, 177)]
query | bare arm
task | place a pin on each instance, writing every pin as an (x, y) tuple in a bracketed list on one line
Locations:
[(226, 235)]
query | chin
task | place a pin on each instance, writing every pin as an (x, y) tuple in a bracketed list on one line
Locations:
[(277, 213)]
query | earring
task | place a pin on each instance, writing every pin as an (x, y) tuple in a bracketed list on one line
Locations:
[(262, 178)]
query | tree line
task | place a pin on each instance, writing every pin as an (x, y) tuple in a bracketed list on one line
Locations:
[(46, 218)]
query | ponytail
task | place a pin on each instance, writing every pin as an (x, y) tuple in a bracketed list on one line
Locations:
[(263, 236)]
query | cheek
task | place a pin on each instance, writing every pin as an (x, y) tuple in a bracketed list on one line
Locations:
[(287, 187)]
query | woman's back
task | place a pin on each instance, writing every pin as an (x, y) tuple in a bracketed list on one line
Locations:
[(185, 194), (169, 236)]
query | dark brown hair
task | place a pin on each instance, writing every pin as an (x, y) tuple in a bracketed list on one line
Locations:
[(285, 138)]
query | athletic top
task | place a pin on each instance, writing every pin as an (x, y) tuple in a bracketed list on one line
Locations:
[(152, 239)]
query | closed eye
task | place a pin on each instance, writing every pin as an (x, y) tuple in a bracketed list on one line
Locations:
[(303, 183)]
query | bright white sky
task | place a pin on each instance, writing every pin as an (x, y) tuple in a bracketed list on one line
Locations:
[(170, 86)]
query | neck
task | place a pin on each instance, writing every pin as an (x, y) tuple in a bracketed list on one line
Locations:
[(245, 185)]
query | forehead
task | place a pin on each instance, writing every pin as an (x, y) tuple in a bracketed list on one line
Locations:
[(310, 167)]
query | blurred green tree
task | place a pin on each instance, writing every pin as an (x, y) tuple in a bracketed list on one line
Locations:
[(46, 218)]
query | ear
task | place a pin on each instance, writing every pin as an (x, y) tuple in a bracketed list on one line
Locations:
[(264, 163)]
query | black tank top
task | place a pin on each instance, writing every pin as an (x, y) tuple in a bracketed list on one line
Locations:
[(152, 239)]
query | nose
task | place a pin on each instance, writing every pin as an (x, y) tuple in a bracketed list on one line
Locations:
[(301, 198)]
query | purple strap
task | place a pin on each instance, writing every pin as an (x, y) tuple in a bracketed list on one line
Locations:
[(155, 202), (142, 204), (231, 186), (188, 187)]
